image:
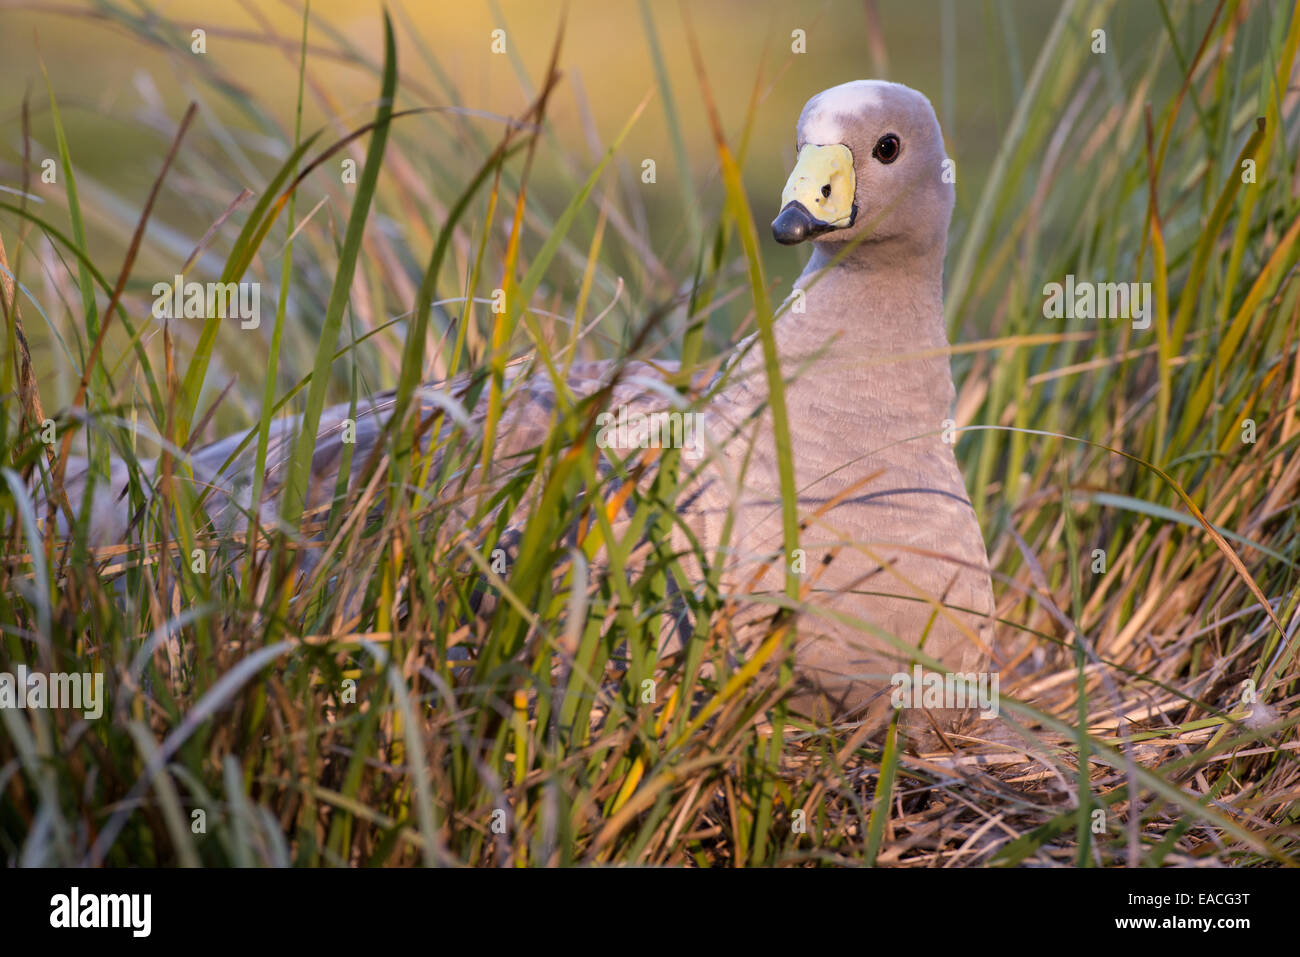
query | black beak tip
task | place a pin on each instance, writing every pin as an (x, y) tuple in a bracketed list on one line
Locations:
[(793, 225)]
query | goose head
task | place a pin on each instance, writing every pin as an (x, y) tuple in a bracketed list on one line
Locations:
[(870, 160)]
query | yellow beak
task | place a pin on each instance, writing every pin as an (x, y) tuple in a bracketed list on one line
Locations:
[(818, 196)]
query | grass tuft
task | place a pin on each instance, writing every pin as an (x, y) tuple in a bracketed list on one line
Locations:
[(455, 659)]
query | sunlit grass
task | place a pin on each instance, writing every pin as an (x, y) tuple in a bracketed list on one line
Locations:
[(401, 697)]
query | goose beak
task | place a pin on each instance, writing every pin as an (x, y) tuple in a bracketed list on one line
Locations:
[(818, 196), (794, 224)]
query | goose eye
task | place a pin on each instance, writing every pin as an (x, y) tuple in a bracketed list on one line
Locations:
[(887, 148), (826, 190)]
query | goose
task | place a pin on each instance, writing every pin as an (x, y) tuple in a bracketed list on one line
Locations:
[(894, 558), (887, 521)]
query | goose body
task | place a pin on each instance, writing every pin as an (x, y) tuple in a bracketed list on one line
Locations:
[(891, 545)]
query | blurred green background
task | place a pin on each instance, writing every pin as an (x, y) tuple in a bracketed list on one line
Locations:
[(123, 73)]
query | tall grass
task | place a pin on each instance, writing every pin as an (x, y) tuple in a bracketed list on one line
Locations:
[(404, 696)]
